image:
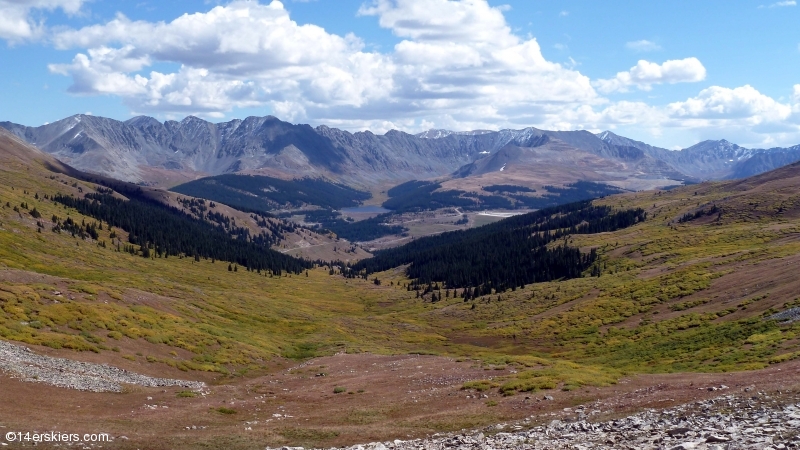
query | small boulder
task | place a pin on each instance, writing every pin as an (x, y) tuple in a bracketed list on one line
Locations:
[(680, 431)]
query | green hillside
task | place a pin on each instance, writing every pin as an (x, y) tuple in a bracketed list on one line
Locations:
[(671, 295)]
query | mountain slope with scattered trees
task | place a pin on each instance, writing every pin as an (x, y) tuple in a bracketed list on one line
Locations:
[(165, 231)]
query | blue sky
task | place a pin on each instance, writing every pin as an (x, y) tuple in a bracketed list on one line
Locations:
[(668, 73)]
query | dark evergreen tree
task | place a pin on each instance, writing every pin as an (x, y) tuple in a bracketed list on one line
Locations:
[(153, 225), (506, 254)]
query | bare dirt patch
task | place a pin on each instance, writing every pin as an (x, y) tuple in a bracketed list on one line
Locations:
[(342, 399)]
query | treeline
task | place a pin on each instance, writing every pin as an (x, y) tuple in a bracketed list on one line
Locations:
[(688, 217), (421, 195), (511, 188), (83, 231), (167, 231), (277, 228), (407, 188), (507, 254), (582, 190), (575, 192), (260, 193), (363, 230)]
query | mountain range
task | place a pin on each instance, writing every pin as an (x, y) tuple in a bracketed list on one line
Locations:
[(634, 296), (146, 151)]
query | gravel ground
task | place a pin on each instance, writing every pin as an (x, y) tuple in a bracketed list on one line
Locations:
[(752, 421), (20, 362)]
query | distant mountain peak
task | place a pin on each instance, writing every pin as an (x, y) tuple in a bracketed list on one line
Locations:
[(129, 150), (189, 119), (718, 145), (440, 133), (434, 134), (610, 136), (142, 121)]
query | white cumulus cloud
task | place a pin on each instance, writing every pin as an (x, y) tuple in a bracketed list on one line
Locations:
[(240, 55), (470, 21), (17, 21), (731, 104), (742, 114), (645, 74), (458, 60), (458, 65)]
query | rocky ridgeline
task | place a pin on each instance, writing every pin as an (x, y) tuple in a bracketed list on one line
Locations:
[(729, 422), (20, 362)]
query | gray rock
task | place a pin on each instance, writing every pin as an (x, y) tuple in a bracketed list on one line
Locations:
[(22, 363), (714, 438), (704, 425), (678, 431)]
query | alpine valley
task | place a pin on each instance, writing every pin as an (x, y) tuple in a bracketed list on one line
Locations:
[(256, 283)]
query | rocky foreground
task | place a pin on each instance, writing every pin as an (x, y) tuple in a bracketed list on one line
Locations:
[(20, 362), (753, 420)]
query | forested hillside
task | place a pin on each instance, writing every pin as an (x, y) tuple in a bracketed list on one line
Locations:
[(363, 230), (507, 254), (265, 195), (163, 231), (261, 193), (425, 195)]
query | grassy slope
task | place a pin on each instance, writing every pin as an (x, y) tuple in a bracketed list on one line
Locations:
[(664, 302)]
